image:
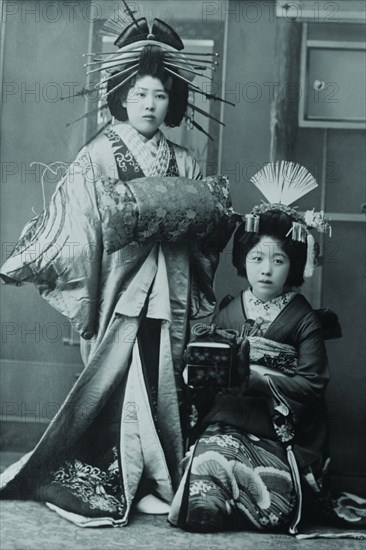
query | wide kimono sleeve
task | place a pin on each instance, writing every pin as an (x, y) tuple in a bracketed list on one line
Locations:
[(60, 250), (312, 372), (204, 255), (299, 327)]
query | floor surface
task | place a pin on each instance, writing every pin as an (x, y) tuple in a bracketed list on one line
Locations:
[(33, 526)]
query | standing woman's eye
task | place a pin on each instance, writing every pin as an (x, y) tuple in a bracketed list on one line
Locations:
[(254, 258)]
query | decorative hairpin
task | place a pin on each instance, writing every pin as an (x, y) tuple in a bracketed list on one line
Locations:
[(282, 183), (133, 36)]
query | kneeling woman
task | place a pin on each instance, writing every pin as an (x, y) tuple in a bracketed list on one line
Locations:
[(244, 468)]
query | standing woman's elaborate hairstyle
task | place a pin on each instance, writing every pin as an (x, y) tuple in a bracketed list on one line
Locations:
[(282, 183), (156, 51)]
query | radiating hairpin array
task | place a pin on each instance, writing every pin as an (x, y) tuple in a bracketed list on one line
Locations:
[(132, 38)]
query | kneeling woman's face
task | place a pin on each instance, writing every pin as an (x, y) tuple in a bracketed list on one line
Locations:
[(147, 104), (267, 267)]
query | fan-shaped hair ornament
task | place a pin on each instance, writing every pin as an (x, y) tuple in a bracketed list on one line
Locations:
[(282, 183)]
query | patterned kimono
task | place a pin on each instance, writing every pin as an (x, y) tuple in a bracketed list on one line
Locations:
[(117, 435), (245, 467)]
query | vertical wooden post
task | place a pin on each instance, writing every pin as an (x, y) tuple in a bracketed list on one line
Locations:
[(284, 108)]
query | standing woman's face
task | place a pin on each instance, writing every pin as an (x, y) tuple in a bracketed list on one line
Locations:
[(147, 104)]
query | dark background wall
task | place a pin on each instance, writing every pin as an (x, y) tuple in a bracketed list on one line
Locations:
[(37, 367)]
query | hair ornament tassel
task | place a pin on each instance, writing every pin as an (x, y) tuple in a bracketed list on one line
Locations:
[(310, 256), (251, 223), (298, 232)]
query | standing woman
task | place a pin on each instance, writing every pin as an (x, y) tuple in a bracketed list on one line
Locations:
[(143, 261)]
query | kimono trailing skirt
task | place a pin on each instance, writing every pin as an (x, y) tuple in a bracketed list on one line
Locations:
[(117, 435)]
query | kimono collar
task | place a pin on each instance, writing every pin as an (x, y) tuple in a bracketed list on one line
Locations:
[(152, 154), (268, 311)]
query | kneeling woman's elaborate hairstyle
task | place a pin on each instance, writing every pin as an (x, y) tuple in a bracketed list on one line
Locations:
[(282, 183)]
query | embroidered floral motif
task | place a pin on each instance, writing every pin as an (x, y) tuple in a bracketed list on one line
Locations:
[(268, 311), (199, 488), (91, 484), (272, 354), (193, 416), (222, 441), (133, 211), (283, 362), (113, 468), (275, 304), (271, 519), (119, 211), (284, 428)]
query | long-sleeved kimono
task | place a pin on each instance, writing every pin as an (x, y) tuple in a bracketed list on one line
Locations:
[(262, 454), (117, 435)]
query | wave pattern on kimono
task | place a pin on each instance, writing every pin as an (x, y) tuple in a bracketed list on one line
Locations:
[(235, 479), (117, 435)]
